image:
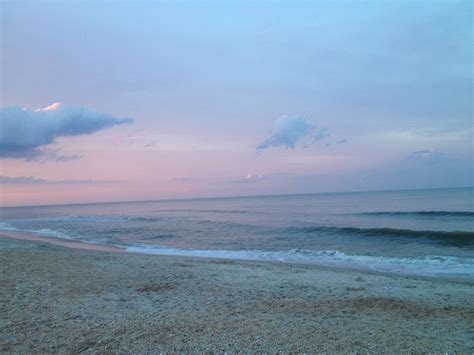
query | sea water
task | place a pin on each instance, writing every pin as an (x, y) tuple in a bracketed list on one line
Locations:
[(421, 232)]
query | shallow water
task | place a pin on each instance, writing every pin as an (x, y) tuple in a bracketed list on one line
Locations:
[(416, 232)]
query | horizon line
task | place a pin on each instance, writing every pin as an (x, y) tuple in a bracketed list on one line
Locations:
[(242, 196)]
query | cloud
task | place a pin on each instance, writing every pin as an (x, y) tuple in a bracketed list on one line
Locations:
[(323, 133), (66, 157), (428, 135), (287, 132), (342, 141), (427, 156), (31, 180), (250, 179), (43, 154), (184, 180), (24, 132)]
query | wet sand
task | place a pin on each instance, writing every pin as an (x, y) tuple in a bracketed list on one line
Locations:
[(57, 299), (61, 242)]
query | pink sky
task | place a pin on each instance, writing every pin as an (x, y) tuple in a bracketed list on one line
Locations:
[(165, 101)]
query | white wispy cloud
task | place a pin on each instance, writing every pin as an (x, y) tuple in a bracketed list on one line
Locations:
[(426, 135), (250, 178), (427, 156)]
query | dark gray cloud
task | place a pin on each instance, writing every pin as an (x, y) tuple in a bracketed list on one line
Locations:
[(31, 180), (287, 132), (24, 132)]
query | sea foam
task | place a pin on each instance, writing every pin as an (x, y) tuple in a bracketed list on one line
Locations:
[(428, 266)]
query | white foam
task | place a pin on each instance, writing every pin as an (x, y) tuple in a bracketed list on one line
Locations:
[(45, 232), (49, 233), (7, 227), (428, 266)]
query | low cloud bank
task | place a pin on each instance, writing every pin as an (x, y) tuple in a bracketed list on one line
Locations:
[(31, 180)]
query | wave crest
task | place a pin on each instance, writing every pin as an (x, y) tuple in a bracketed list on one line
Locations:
[(389, 232), (422, 213)]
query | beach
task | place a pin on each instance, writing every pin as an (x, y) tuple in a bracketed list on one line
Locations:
[(236, 177), (59, 299)]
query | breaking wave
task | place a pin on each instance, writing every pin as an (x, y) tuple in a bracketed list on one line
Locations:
[(423, 213), (428, 266)]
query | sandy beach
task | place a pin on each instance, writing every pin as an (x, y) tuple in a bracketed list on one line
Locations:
[(58, 299)]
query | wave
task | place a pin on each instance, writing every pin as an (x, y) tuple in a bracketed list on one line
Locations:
[(95, 218), (142, 219), (46, 232), (7, 227), (49, 233), (286, 231), (428, 266), (457, 239), (208, 211), (422, 213), (393, 232)]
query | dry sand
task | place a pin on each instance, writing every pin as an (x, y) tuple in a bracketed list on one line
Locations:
[(56, 299)]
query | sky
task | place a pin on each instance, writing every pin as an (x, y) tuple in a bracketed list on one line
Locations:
[(139, 100)]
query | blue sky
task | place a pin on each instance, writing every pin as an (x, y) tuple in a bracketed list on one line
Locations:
[(386, 86)]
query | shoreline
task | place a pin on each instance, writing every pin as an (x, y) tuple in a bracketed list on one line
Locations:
[(74, 244), (58, 299)]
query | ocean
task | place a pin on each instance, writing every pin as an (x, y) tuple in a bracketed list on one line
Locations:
[(416, 232)]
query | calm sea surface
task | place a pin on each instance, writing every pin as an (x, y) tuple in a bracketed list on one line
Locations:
[(426, 232)]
